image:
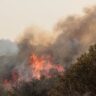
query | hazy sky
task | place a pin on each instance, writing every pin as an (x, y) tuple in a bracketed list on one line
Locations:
[(17, 15)]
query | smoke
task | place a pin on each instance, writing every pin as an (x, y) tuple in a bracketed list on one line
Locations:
[(15, 56), (8, 48), (77, 33), (70, 38), (8, 53)]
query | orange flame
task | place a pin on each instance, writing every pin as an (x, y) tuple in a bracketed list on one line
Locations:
[(42, 66), (39, 66)]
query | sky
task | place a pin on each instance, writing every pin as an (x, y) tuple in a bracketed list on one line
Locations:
[(17, 15)]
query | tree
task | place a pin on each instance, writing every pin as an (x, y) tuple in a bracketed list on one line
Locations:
[(80, 78)]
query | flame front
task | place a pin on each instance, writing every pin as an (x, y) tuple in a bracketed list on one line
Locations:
[(42, 66), (38, 66)]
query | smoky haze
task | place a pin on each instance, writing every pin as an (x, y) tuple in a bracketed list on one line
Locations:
[(77, 34), (70, 38)]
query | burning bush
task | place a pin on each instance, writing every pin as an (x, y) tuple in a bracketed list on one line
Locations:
[(38, 55), (78, 80)]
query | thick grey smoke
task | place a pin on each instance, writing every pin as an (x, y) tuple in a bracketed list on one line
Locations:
[(76, 34)]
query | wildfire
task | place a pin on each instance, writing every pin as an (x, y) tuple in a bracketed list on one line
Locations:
[(42, 66), (38, 66)]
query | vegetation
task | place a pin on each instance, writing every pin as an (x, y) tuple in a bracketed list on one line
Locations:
[(78, 80)]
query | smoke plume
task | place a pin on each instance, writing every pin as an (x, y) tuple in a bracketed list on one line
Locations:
[(70, 38), (77, 33)]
